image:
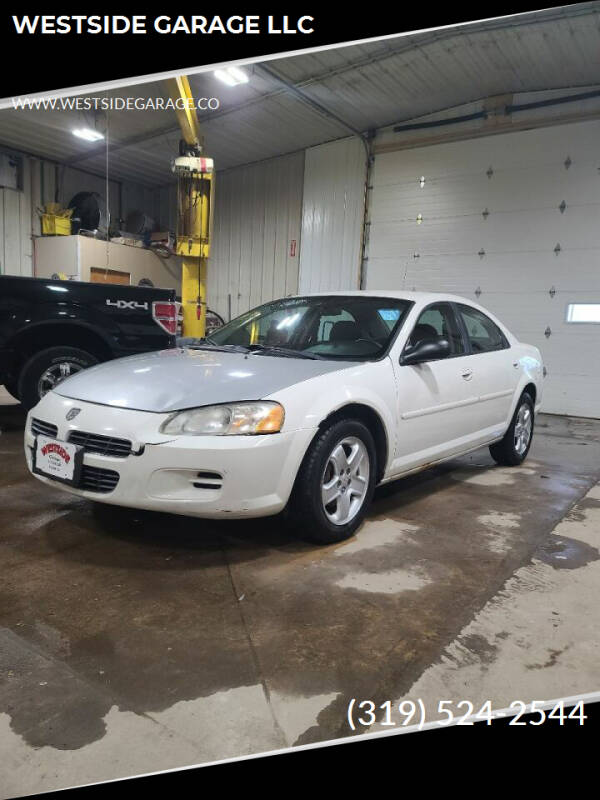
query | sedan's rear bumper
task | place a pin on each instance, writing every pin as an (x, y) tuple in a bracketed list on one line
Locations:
[(203, 476)]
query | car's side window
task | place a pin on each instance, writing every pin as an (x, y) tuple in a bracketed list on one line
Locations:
[(437, 322), (484, 335)]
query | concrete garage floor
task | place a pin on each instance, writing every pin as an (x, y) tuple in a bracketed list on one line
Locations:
[(135, 642)]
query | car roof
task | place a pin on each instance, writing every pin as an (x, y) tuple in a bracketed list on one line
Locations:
[(422, 297)]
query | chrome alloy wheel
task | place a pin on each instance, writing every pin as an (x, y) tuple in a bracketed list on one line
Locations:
[(56, 374), (345, 480), (523, 428)]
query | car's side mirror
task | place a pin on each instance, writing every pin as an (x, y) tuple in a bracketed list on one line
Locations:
[(426, 350)]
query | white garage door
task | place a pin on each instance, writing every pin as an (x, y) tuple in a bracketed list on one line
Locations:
[(512, 221)]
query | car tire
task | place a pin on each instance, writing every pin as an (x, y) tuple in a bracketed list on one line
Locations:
[(513, 448), (47, 365), (332, 452)]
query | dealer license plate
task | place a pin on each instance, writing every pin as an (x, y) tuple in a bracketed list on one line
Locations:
[(59, 460)]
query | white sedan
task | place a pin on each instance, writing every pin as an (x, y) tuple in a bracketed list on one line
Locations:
[(303, 404)]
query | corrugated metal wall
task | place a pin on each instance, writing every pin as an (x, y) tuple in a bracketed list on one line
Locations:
[(256, 235), (19, 218), (15, 228), (494, 228), (332, 215), (256, 240)]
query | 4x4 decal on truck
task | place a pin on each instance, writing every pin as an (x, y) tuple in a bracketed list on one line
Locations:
[(129, 304)]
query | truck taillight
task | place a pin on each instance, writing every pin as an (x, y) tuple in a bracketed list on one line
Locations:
[(166, 315)]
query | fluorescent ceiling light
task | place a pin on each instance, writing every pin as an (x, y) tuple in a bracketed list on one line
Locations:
[(88, 134), (232, 76)]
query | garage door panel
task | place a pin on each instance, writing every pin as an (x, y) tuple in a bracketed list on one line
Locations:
[(505, 275), (386, 273), (575, 395), (565, 359), (506, 261), (504, 192), (517, 232), (536, 315), (577, 141), (511, 273)]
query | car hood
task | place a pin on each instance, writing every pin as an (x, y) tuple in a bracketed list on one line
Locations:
[(171, 380)]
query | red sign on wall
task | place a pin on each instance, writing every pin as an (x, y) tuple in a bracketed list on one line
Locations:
[(292, 248)]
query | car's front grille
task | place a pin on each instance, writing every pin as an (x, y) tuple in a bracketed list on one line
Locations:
[(104, 445), (94, 479), (38, 426)]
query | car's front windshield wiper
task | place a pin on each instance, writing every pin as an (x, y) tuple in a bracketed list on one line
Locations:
[(206, 343), (284, 352)]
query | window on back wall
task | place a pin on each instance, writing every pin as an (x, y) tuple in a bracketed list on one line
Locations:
[(583, 312)]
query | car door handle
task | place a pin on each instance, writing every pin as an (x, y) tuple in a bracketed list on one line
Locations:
[(467, 374), (516, 364)]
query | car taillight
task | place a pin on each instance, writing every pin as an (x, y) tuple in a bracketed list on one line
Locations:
[(166, 315)]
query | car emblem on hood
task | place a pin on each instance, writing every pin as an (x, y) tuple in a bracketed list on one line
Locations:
[(72, 413)]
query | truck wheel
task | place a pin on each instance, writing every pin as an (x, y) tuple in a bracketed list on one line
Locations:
[(513, 448), (335, 483), (48, 368)]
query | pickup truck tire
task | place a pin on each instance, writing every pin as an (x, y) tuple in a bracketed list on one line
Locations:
[(330, 468), (12, 388), (513, 448), (46, 366)]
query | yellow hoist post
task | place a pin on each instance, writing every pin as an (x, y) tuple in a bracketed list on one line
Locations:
[(195, 194)]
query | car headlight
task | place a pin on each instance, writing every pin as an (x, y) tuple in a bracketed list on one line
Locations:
[(226, 420)]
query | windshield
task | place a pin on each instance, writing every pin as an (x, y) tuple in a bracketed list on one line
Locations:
[(352, 328)]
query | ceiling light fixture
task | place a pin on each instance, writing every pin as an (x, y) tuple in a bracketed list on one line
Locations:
[(232, 76), (88, 134)]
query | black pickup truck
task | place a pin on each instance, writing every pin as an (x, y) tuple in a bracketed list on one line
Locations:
[(50, 329)]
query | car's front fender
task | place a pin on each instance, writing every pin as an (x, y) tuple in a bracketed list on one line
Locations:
[(372, 384)]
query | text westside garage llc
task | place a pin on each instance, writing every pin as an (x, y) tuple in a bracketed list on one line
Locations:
[(141, 24)]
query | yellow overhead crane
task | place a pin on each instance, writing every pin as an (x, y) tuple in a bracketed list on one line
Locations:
[(195, 195)]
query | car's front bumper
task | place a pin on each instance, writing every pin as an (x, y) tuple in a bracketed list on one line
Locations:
[(203, 476)]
